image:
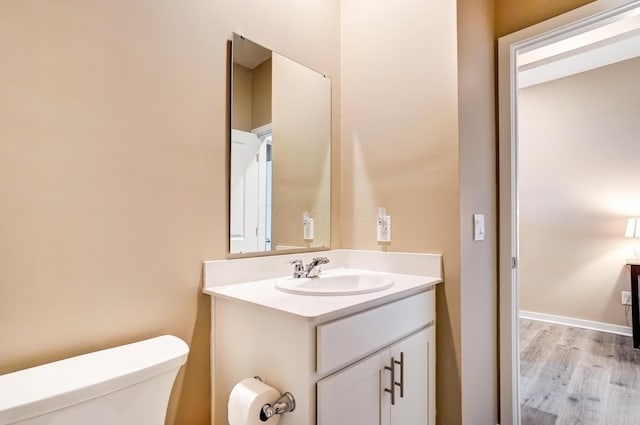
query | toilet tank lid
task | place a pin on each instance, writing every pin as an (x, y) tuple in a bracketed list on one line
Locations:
[(41, 389)]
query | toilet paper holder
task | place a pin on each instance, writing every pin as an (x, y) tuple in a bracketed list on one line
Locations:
[(286, 403)]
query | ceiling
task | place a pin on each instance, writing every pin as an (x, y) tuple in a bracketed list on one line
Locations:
[(607, 44), (247, 53)]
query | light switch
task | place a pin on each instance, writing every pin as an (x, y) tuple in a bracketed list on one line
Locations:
[(478, 227)]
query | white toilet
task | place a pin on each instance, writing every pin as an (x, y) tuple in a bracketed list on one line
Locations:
[(125, 385)]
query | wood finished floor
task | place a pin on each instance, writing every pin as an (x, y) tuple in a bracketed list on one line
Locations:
[(571, 376)]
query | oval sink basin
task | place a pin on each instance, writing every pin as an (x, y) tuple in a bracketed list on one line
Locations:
[(336, 282)]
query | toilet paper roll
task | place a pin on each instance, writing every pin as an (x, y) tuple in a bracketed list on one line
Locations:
[(246, 400)]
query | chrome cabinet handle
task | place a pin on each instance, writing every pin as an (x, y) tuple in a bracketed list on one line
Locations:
[(392, 390), (401, 383)]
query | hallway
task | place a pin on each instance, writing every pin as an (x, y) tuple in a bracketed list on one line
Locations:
[(573, 376)]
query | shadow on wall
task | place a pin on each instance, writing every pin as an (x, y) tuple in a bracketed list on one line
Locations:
[(446, 358), (189, 405)]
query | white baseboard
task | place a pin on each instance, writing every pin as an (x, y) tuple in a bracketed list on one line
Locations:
[(577, 323)]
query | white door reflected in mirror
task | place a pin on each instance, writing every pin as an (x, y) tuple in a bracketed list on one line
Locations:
[(245, 178)]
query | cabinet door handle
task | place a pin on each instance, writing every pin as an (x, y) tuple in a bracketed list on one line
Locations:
[(392, 390), (401, 363)]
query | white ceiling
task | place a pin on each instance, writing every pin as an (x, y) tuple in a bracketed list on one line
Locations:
[(611, 43)]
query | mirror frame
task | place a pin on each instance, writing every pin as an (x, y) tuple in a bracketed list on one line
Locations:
[(229, 120)]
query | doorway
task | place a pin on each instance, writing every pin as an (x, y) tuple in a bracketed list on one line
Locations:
[(566, 45)]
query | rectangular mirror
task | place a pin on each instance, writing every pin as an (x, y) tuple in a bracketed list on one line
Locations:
[(280, 165)]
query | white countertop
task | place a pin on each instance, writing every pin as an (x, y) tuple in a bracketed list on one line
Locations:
[(262, 293)]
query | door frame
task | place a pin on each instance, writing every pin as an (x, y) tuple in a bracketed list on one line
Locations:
[(569, 24)]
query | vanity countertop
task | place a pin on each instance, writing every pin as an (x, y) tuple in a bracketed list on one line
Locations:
[(262, 293)]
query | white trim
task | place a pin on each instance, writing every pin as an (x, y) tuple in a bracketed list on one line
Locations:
[(577, 323), (263, 129), (507, 281), (606, 53)]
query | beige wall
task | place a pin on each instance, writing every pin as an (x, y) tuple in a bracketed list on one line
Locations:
[(112, 168), (251, 96), (514, 15), (242, 105), (579, 179), (112, 164), (478, 275), (301, 142), (261, 105), (400, 149)]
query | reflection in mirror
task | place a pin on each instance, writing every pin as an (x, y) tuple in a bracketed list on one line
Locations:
[(280, 167)]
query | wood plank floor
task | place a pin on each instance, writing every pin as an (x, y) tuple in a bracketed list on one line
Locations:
[(571, 376)]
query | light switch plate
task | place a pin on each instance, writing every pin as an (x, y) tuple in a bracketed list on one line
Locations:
[(478, 227)]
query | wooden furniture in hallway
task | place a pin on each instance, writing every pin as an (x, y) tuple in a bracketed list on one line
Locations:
[(634, 265)]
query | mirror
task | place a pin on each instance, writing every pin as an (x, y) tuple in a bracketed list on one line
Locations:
[(280, 165)]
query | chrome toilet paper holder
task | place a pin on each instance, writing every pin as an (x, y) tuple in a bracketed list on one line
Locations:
[(285, 404)]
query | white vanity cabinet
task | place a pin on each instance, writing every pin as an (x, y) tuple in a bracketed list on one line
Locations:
[(393, 386), (416, 404), (333, 363)]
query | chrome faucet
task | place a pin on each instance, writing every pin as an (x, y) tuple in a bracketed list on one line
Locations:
[(298, 269), (313, 268), (310, 270)]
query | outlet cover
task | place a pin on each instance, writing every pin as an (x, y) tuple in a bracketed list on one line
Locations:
[(626, 298), (383, 233)]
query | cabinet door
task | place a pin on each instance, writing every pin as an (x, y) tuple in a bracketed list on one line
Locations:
[(356, 395), (416, 376)]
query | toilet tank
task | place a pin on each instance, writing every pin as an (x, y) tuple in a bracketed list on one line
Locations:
[(125, 385)]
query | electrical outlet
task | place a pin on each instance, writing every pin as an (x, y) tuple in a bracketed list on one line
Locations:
[(383, 233), (626, 298), (383, 226)]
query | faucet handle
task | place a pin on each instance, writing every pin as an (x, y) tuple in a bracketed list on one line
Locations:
[(298, 268), (320, 260)]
